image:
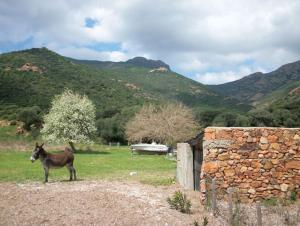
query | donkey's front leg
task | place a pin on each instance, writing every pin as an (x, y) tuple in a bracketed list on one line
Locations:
[(46, 173), (74, 173)]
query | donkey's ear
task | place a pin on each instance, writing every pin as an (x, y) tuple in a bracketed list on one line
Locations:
[(42, 145), (36, 144)]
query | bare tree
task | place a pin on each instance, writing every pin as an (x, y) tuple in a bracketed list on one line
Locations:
[(169, 123)]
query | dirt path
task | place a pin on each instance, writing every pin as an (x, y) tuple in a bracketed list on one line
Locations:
[(93, 203)]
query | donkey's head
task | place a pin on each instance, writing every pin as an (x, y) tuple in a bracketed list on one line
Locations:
[(36, 152)]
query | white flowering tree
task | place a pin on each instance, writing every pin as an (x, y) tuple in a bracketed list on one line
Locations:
[(71, 119)]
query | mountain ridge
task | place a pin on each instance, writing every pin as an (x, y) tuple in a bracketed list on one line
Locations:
[(29, 80), (136, 61), (62, 71), (254, 87)]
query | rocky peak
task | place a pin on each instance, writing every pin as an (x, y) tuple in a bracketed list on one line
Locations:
[(148, 63)]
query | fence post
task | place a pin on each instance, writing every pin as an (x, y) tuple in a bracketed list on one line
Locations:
[(207, 194), (298, 213), (259, 215), (230, 208), (213, 196)]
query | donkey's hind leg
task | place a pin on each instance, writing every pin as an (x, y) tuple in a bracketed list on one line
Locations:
[(46, 173), (69, 166), (74, 172)]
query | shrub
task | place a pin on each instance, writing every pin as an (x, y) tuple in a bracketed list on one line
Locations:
[(30, 116), (225, 119), (205, 221), (180, 202), (13, 123), (270, 202), (293, 196)]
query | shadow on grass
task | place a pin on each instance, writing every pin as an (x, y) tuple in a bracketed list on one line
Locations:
[(80, 151)]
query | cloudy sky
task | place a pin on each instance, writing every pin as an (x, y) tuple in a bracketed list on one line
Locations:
[(209, 41)]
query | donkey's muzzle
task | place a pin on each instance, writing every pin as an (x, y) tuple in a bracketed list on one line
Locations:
[(32, 159)]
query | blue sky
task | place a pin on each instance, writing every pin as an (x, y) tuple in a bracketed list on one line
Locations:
[(90, 22), (209, 41)]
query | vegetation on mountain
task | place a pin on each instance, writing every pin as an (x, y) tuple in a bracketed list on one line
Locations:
[(134, 62), (33, 77), (31, 117), (30, 79), (284, 112), (252, 88)]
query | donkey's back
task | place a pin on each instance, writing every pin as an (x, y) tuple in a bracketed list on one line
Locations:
[(59, 159)]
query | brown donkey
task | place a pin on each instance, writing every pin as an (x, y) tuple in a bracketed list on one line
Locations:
[(54, 160)]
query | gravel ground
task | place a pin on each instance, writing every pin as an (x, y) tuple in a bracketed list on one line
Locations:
[(93, 203), (116, 203)]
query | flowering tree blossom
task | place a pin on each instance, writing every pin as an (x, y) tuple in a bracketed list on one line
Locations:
[(71, 119)]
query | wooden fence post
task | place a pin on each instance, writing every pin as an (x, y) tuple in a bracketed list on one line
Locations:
[(214, 197), (259, 215), (230, 208)]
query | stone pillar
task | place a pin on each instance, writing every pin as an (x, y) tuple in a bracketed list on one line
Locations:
[(185, 175)]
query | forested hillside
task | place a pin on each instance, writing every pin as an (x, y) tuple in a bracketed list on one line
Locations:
[(31, 78), (253, 88)]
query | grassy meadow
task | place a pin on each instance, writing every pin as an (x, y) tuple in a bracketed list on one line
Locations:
[(91, 162)]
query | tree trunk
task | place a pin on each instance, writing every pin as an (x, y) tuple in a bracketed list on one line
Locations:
[(72, 147)]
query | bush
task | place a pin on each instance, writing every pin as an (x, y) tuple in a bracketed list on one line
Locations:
[(110, 130), (293, 196), (242, 120), (205, 118), (30, 116), (180, 202), (225, 119), (13, 123), (261, 117), (205, 221), (270, 202)]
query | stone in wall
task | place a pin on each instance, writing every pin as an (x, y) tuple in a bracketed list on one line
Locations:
[(258, 162)]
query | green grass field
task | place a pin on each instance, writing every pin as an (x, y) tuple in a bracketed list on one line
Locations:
[(91, 162)]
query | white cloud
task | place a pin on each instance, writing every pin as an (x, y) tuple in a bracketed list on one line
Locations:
[(89, 54), (214, 78), (193, 65), (195, 37), (217, 77)]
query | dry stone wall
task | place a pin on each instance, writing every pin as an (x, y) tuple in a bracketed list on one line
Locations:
[(258, 162)]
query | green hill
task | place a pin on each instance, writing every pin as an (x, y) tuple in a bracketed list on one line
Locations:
[(275, 95), (31, 78), (259, 87), (165, 85)]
